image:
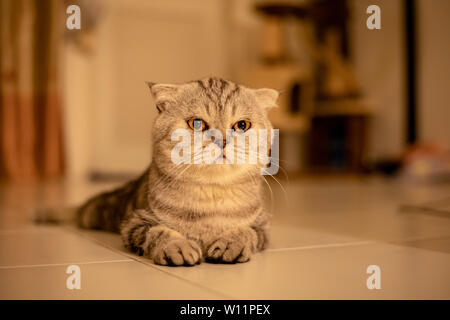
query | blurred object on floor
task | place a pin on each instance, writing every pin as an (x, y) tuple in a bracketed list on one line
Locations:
[(387, 166), (426, 163), (419, 163), (31, 144)]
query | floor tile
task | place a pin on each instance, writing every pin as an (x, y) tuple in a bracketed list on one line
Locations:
[(285, 236), (49, 245), (330, 273), (121, 280), (324, 235), (368, 210), (110, 240), (433, 244)]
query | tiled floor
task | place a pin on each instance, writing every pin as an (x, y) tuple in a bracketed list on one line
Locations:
[(325, 234)]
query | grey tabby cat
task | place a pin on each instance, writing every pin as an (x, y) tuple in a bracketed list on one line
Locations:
[(187, 213)]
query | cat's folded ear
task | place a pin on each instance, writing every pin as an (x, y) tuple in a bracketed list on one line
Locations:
[(266, 98), (163, 94)]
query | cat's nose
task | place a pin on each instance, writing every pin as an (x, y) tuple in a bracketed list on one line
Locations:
[(221, 144)]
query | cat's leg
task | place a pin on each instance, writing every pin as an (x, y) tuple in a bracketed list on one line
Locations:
[(236, 245), (168, 247), (163, 245), (262, 233)]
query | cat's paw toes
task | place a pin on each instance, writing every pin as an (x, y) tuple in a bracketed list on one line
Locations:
[(179, 252), (228, 252)]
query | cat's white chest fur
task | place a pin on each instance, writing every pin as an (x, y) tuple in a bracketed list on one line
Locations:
[(204, 211)]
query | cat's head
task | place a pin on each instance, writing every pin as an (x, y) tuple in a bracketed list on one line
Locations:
[(213, 110)]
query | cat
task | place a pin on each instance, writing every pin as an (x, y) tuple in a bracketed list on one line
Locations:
[(188, 213)]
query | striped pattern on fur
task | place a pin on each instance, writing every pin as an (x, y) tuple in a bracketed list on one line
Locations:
[(184, 214)]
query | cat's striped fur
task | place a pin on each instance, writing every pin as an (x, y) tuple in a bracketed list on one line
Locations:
[(184, 214)]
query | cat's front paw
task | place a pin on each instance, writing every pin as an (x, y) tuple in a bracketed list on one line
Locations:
[(229, 251), (178, 252)]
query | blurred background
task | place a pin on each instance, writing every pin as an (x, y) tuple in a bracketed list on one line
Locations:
[(364, 140), (74, 104)]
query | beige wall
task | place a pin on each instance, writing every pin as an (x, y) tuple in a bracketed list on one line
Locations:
[(434, 70), (379, 64)]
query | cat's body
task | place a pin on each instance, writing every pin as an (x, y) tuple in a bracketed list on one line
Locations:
[(183, 214)]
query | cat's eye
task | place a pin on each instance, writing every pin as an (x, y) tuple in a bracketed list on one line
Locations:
[(197, 124), (242, 125)]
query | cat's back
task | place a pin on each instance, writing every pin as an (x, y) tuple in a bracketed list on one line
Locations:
[(107, 210)]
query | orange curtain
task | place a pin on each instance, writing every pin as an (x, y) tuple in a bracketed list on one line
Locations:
[(31, 145)]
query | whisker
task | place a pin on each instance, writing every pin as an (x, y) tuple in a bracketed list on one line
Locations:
[(283, 190), (278, 166), (271, 195)]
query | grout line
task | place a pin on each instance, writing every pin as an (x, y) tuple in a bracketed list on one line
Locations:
[(160, 268), (133, 257), (322, 246), (357, 243), (62, 264), (149, 264)]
